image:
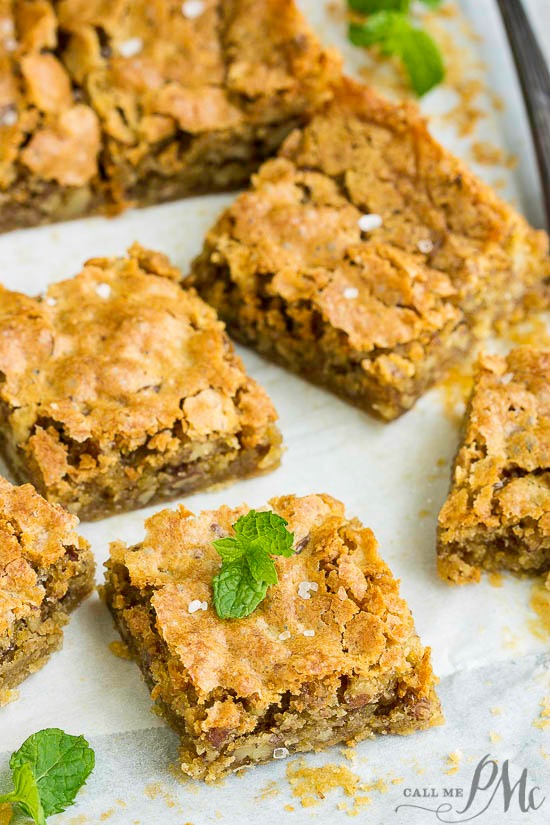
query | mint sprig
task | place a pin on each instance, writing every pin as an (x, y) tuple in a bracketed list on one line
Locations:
[(247, 567), (389, 27), (48, 770)]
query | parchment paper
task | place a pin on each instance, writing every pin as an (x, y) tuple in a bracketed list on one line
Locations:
[(495, 672)]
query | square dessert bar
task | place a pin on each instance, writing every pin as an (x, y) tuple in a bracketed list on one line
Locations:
[(102, 104), (329, 656), (367, 258), (46, 570), (49, 137), (497, 514), (118, 387)]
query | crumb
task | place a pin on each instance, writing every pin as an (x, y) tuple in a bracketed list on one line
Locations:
[(312, 784), (543, 753), (120, 650), (6, 812), (7, 696), (121, 803), (496, 579), (81, 819), (270, 790), (543, 720), (455, 390), (453, 762), (495, 737), (540, 605), (289, 808), (423, 513), (496, 711), (510, 641), (487, 154), (349, 753), (532, 331), (107, 814)]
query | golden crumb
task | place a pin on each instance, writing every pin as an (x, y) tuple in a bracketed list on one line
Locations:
[(121, 803), (289, 808), (81, 819), (106, 815), (6, 812), (453, 762), (532, 331), (120, 650), (496, 711), (510, 641), (310, 784), (540, 605), (7, 696), (349, 753), (543, 720), (455, 390), (488, 154), (423, 513), (496, 579), (269, 791), (495, 737), (543, 753)]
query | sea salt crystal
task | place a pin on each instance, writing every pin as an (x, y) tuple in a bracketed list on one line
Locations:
[(309, 633), (425, 246), (284, 635), (281, 753), (196, 604), (351, 292), (304, 589), (51, 302), (192, 9), (8, 117), (369, 222), (103, 290), (131, 47)]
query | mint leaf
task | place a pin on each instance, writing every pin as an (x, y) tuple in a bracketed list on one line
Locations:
[(25, 794), (236, 591), (261, 566), (396, 35), (59, 763), (431, 3), (247, 567), (372, 6)]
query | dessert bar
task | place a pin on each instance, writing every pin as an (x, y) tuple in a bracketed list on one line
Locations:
[(46, 570), (497, 514), (329, 656), (108, 104), (120, 388), (366, 258)]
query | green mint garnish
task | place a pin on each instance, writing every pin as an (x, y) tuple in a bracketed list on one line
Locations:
[(396, 35), (372, 6), (247, 567), (48, 770)]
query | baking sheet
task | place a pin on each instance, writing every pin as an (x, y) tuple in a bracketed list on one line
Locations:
[(492, 656)]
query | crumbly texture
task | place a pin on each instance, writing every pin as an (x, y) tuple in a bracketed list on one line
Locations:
[(375, 316), (105, 104), (497, 514), (46, 570), (236, 690), (118, 387)]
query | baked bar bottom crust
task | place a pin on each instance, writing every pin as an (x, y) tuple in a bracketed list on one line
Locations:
[(36, 637), (128, 488)]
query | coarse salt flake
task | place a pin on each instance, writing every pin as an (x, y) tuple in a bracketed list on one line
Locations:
[(304, 589), (309, 633), (196, 604), (281, 753), (369, 222), (8, 117), (425, 246), (351, 292), (284, 635), (192, 9), (131, 47), (51, 302), (103, 290)]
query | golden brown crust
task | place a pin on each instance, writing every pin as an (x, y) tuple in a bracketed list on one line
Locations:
[(118, 375), (46, 568), (142, 90), (289, 268), (360, 639), (498, 510)]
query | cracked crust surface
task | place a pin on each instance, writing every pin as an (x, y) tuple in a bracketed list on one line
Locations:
[(498, 510), (376, 316), (119, 387), (46, 569), (103, 103), (236, 689)]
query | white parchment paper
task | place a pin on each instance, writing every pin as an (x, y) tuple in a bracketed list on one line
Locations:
[(495, 672)]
